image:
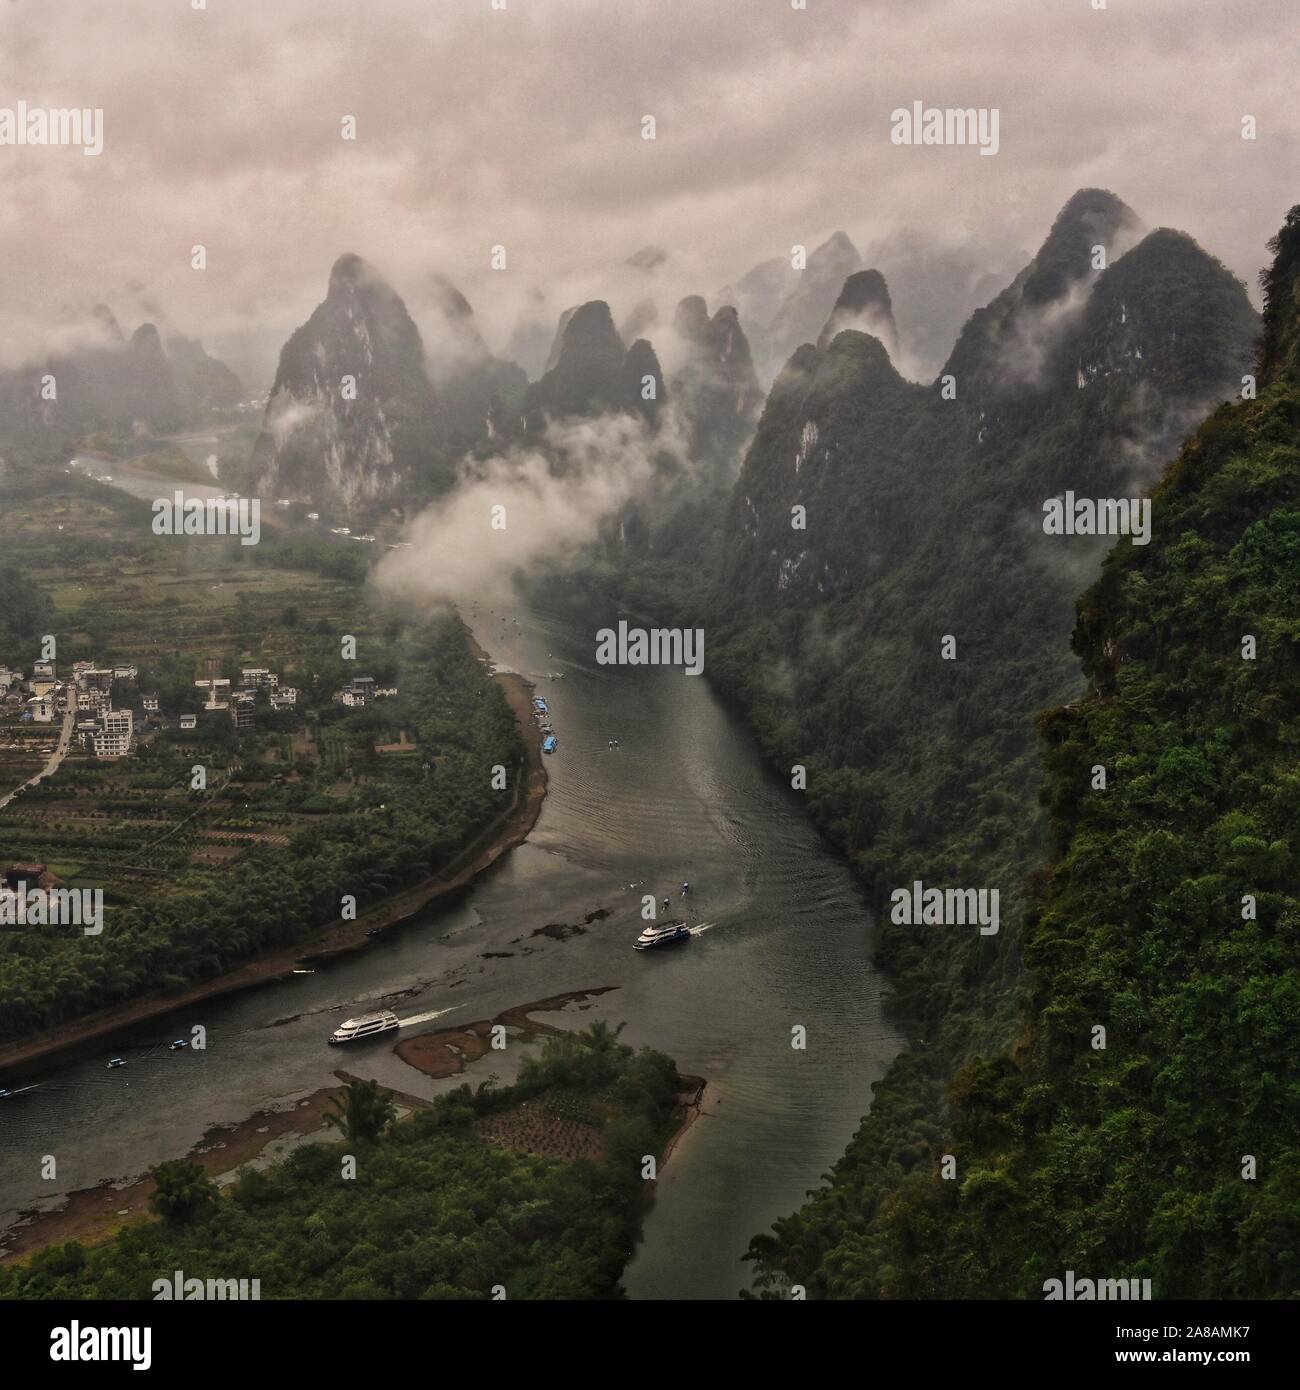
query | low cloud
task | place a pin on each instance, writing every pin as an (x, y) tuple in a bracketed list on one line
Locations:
[(549, 503)]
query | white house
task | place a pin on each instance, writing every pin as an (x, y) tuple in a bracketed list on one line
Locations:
[(115, 735)]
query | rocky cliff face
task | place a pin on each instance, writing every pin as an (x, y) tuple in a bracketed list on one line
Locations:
[(352, 422), (480, 396), (713, 383)]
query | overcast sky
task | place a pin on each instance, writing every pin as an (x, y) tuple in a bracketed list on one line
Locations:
[(522, 127)]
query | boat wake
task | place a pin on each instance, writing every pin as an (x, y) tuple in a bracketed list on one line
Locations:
[(427, 1017)]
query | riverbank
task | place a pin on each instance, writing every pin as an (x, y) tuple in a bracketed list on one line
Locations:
[(93, 1215), (337, 938)]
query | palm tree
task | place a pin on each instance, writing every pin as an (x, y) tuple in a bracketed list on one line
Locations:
[(601, 1038), (363, 1113)]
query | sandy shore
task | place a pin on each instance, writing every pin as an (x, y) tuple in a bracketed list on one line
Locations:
[(448, 1051), (337, 938), (96, 1214), (699, 1098)]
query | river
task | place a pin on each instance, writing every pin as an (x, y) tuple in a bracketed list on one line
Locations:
[(787, 941)]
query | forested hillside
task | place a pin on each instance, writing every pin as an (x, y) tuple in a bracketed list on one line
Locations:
[(1165, 1146)]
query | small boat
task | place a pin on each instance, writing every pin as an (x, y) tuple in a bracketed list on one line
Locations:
[(550, 744), (366, 1026), (661, 934)]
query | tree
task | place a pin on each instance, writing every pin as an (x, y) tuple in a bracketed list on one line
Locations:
[(183, 1191), (364, 1112)]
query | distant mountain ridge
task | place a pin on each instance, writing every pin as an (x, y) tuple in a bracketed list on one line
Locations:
[(110, 382)]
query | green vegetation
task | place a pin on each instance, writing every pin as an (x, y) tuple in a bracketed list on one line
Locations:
[(435, 1210), (1169, 917), (296, 813), (184, 1192), (363, 1113), (25, 610)]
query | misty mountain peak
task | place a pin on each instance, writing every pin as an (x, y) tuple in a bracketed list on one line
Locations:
[(1092, 217), (714, 384), (349, 272), (591, 322), (642, 361), (146, 339), (864, 305), (644, 316), (1012, 340), (351, 420), (454, 332), (106, 321), (1166, 311), (809, 304), (728, 336), (838, 247), (588, 370), (692, 318), (449, 299)]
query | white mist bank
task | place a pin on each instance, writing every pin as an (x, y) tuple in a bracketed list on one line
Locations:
[(531, 507)]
